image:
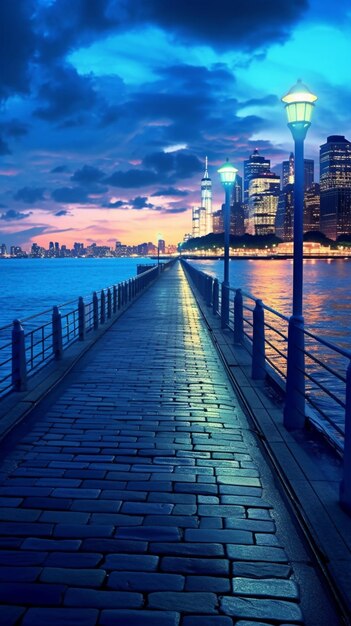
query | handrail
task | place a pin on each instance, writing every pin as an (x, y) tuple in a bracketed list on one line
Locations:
[(31, 349), (275, 338)]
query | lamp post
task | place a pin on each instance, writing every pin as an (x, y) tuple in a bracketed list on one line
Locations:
[(227, 174), (299, 104)]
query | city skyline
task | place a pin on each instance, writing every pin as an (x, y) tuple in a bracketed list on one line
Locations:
[(107, 117)]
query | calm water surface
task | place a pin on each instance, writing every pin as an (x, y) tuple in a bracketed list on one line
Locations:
[(28, 286), (327, 290)]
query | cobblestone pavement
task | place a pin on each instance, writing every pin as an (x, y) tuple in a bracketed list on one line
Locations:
[(133, 499)]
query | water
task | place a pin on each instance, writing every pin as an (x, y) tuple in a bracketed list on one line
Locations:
[(327, 312), (327, 293), (28, 286)]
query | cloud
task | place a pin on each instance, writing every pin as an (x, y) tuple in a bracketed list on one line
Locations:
[(62, 213), (180, 164), (30, 194), (12, 215), (170, 191), (115, 204), (4, 148), (87, 175), (17, 46), (176, 210), (65, 94), (59, 169), (14, 128), (132, 178), (239, 24), (140, 202), (70, 195)]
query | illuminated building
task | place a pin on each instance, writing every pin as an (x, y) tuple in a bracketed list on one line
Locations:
[(256, 164), (264, 192), (218, 224), (288, 172), (284, 221), (335, 186), (202, 219), (237, 226), (196, 222), (206, 225), (311, 211)]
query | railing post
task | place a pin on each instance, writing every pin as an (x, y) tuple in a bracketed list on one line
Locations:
[(56, 333), (258, 369), (345, 486), (294, 409), (224, 305), (19, 362), (215, 296), (81, 319), (238, 317), (109, 303), (96, 310), (209, 290), (102, 307), (119, 302), (114, 299)]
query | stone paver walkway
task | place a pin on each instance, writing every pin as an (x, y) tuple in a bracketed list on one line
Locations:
[(133, 498)]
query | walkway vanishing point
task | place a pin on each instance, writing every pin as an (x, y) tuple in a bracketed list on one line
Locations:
[(136, 493)]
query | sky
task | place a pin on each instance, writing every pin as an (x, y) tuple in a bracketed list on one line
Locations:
[(109, 107)]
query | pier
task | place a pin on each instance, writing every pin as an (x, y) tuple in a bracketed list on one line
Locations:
[(144, 485)]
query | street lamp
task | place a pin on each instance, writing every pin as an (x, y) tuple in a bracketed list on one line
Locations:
[(299, 104), (227, 174)]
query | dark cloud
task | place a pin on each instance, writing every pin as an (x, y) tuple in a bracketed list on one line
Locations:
[(170, 191), (175, 210), (23, 236), (17, 46), (12, 215), (59, 169), (140, 202), (62, 213), (180, 164), (132, 178), (87, 175), (80, 22), (4, 148), (70, 195), (66, 94), (117, 204), (14, 128), (239, 24), (30, 194)]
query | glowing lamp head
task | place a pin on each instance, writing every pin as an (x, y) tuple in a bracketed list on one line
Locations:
[(227, 173), (299, 104)]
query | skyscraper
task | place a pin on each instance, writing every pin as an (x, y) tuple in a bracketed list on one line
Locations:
[(206, 200), (237, 208), (335, 186), (288, 172), (264, 192), (284, 220), (256, 164), (311, 210)]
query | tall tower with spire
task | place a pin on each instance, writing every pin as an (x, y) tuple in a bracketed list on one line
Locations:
[(206, 200)]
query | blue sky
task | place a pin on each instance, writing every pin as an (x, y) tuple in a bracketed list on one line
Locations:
[(109, 107)]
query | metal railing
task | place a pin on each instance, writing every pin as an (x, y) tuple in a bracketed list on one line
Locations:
[(326, 393), (26, 346)]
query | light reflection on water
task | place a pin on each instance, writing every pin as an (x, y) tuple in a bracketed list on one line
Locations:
[(327, 312)]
